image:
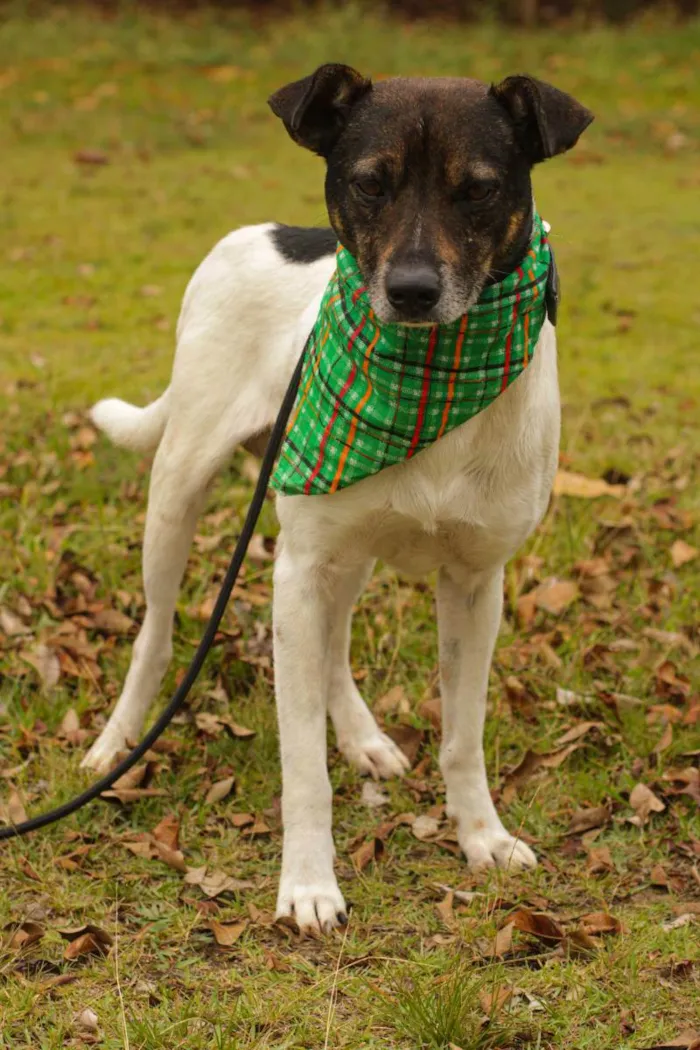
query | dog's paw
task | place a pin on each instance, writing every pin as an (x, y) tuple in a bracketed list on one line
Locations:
[(376, 756), (317, 908), (495, 848), (103, 752)]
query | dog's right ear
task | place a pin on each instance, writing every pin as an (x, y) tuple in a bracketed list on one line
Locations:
[(316, 109)]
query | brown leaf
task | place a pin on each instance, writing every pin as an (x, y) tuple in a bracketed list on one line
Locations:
[(644, 802), (216, 882), (599, 860), (220, 790), (10, 623), (91, 157), (13, 812), (393, 702), (445, 908), (242, 820), (493, 1000), (425, 827), (658, 877), (174, 858), (587, 819), (366, 853), (86, 940), (538, 925), (600, 922), (682, 553), (46, 664), (553, 596), (577, 732), (167, 831), (687, 1040), (408, 739), (503, 941), (226, 933), (568, 483), (431, 710), (664, 741), (111, 621), (23, 935)]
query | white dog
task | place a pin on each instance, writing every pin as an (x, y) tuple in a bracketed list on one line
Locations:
[(428, 188)]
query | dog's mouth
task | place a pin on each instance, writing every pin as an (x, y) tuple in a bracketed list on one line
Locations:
[(453, 303)]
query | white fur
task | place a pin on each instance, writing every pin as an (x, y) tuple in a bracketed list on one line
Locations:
[(462, 507)]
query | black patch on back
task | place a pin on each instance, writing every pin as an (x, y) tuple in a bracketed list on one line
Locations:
[(304, 244)]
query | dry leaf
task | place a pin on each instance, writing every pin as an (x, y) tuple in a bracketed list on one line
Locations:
[(373, 796), (88, 1020), (445, 908), (13, 812), (226, 933), (492, 1001), (687, 1040), (86, 940), (46, 664), (644, 802), (10, 623), (503, 941), (600, 922), (682, 553), (220, 790), (425, 827), (217, 882), (393, 702), (111, 621), (167, 831), (24, 935), (538, 925), (658, 877), (366, 853), (568, 483), (553, 596), (587, 819), (408, 739), (599, 860)]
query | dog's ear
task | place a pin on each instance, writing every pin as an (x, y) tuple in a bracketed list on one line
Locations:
[(315, 110), (547, 121)]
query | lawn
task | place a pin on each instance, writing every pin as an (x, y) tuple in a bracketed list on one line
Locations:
[(130, 144)]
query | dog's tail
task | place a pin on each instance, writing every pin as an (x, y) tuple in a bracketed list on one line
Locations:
[(139, 429)]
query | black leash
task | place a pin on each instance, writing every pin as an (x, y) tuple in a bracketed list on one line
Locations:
[(182, 692)]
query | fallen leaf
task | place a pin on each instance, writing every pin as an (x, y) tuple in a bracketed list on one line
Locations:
[(393, 702), (226, 933), (366, 853), (13, 812), (503, 941), (553, 595), (538, 925), (687, 1040), (425, 827), (568, 483), (168, 831), (216, 882), (587, 819), (91, 157), (682, 553), (372, 795), (445, 908), (220, 790), (85, 940), (46, 664), (675, 924), (408, 739), (600, 922), (599, 860), (10, 623), (111, 621), (23, 935), (658, 877), (493, 1000), (87, 1020), (644, 802)]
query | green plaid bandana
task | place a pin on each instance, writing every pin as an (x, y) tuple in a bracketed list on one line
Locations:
[(371, 396)]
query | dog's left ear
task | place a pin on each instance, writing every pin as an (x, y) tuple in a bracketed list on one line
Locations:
[(316, 109), (547, 121)]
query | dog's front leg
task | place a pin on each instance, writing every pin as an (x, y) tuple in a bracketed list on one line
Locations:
[(302, 613), (468, 621)]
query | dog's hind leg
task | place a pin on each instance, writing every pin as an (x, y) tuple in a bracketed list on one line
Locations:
[(359, 738), (184, 466), (468, 621)]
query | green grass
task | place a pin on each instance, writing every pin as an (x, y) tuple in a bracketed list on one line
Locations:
[(94, 260)]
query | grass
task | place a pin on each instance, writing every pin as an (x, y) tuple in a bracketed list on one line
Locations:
[(94, 260)]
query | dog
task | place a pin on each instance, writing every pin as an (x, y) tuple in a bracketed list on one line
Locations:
[(428, 186)]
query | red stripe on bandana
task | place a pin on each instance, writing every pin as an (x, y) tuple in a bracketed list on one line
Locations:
[(336, 408), (509, 337), (424, 392)]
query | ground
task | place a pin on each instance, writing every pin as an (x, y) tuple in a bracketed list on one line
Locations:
[(130, 144)]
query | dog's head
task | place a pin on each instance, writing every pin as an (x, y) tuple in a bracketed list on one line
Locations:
[(428, 180)]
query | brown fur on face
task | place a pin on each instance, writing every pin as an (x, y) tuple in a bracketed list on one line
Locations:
[(430, 176)]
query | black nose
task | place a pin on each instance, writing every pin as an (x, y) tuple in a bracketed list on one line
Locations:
[(412, 288)]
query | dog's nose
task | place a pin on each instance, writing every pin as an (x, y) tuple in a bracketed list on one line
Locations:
[(413, 289)]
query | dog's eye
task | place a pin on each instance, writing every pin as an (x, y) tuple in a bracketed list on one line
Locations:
[(479, 191), (369, 186)]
